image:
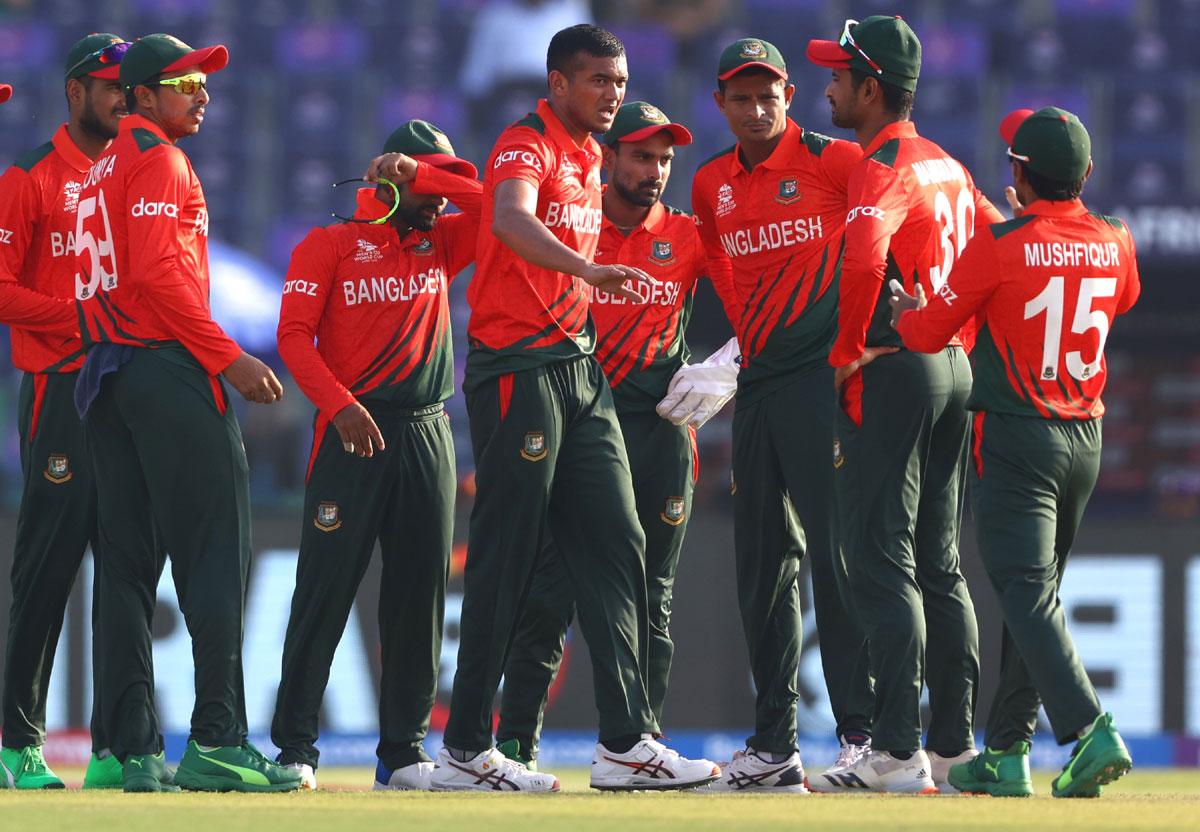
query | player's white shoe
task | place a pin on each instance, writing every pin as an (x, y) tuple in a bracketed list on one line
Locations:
[(414, 777), (488, 771), (308, 777), (939, 768), (879, 771), (831, 779), (649, 765), (749, 772)]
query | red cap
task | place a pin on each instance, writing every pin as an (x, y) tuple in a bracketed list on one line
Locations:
[(450, 163), (827, 53), (679, 133), (1012, 123), (210, 59), (5, 93)]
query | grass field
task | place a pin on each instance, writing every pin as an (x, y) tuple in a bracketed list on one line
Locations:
[(1150, 799)]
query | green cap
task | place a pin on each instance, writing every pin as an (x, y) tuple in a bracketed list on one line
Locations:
[(426, 143), (637, 120), (880, 45), (1051, 142), (748, 52), (156, 54), (93, 56)]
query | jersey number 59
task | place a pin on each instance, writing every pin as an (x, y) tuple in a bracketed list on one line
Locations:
[(101, 265)]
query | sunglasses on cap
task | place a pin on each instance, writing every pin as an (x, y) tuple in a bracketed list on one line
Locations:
[(378, 220), (108, 56), (847, 41), (189, 84)]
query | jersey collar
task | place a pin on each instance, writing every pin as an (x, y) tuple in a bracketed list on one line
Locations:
[(136, 122), (69, 151), (780, 158), (1056, 208), (557, 133), (895, 130)]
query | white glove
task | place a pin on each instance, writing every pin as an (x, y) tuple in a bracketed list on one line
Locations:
[(697, 392)]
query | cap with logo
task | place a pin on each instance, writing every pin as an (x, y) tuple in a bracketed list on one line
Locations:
[(1051, 142), (99, 55), (157, 54), (750, 52), (5, 93), (881, 45), (637, 120), (426, 143)]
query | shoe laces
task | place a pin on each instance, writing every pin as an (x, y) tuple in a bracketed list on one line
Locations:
[(849, 755), (32, 759)]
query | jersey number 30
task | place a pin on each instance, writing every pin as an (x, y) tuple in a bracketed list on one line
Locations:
[(1050, 301), (101, 271)]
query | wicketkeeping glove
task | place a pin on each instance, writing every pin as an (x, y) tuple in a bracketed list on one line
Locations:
[(697, 392)]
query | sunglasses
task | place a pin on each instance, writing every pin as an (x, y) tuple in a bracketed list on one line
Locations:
[(186, 84), (847, 40), (380, 220), (109, 55)]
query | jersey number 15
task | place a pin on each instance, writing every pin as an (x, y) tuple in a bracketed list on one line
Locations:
[(1050, 301)]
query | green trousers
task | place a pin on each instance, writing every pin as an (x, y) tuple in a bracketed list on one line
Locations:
[(662, 462), (901, 490), (170, 474), (784, 509), (549, 456), (1033, 478), (402, 497), (56, 522)]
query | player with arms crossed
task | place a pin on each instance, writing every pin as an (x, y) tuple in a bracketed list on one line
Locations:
[(640, 346), (1045, 289), (903, 425), (770, 211), (170, 466), (378, 374), (548, 448)]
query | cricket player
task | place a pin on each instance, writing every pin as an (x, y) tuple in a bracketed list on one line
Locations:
[(640, 346), (1045, 288), (903, 426), (372, 294), (548, 447), (57, 520), (165, 443), (771, 210)]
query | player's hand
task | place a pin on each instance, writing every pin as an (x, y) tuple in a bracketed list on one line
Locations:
[(395, 167), (901, 301), (697, 392), (253, 379), (360, 435), (1010, 193), (869, 354), (624, 281)]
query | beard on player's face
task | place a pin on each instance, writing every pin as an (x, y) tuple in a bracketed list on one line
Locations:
[(419, 213), (643, 193)]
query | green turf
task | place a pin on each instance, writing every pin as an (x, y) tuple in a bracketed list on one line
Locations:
[(1148, 799)]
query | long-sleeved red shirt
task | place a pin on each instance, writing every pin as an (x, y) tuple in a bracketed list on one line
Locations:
[(142, 250), (776, 232), (376, 304), (1045, 288), (911, 208), (38, 197)]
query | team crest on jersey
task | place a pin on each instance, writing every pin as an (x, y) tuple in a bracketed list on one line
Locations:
[(725, 201), (367, 252), (673, 513), (534, 449), (58, 468), (752, 50), (661, 253), (838, 459), (423, 248), (328, 517), (789, 192)]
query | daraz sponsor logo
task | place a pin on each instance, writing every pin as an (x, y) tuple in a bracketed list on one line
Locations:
[(142, 208), (522, 156)]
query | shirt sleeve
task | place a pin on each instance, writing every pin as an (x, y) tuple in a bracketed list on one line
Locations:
[(21, 306), (154, 262), (717, 265), (459, 232), (314, 261), (876, 205), (962, 297), (1133, 281), (522, 154), (985, 212), (840, 159)]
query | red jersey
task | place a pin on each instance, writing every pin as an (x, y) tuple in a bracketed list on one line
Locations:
[(522, 315), (1046, 288), (142, 250), (778, 230), (911, 208), (376, 303), (38, 197)]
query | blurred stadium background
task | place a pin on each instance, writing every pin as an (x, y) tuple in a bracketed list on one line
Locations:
[(313, 88)]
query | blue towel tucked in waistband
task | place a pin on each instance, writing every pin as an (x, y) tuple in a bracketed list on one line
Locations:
[(101, 360)]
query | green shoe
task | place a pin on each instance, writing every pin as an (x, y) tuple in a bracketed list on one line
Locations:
[(104, 773), (516, 751), (233, 769), (1097, 759), (147, 773), (25, 768), (998, 773)]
